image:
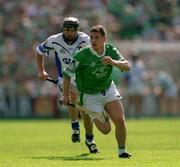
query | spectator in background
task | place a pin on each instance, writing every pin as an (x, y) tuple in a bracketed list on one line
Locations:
[(166, 92), (135, 84)]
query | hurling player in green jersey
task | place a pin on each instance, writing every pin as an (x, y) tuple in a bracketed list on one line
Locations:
[(98, 94)]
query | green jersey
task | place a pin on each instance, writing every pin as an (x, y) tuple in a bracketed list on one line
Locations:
[(92, 76)]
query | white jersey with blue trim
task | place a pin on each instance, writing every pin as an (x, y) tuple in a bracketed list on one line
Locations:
[(63, 52)]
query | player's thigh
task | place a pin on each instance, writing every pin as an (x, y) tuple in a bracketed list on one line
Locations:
[(95, 106), (93, 102), (115, 110)]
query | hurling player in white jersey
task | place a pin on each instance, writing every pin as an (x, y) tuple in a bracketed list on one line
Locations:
[(63, 45)]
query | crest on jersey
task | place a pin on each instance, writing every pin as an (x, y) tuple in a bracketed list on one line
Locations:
[(93, 64), (81, 45)]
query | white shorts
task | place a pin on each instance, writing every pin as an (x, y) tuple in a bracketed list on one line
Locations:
[(96, 102)]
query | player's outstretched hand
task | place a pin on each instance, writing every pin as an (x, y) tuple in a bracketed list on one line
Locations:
[(64, 100), (43, 75)]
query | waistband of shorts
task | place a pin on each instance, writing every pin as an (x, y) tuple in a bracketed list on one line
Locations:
[(103, 92)]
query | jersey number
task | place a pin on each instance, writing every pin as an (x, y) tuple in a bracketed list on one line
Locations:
[(66, 60)]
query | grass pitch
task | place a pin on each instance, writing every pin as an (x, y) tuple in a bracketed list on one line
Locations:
[(46, 143)]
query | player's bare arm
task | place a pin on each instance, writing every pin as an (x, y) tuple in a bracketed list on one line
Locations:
[(42, 74), (122, 65)]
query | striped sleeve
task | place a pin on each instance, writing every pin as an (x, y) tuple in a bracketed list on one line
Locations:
[(45, 47)]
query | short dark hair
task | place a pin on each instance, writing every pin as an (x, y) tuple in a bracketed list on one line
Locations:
[(99, 28), (71, 22)]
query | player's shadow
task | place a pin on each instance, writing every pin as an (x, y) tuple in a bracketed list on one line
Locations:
[(81, 157)]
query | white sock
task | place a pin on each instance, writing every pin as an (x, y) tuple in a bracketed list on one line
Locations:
[(121, 151), (90, 142), (74, 121)]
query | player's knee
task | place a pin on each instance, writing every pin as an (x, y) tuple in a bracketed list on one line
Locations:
[(106, 130)]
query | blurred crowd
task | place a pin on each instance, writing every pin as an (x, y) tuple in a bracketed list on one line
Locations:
[(148, 90), (147, 19), (24, 24)]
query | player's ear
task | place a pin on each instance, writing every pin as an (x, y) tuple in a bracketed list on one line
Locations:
[(105, 38)]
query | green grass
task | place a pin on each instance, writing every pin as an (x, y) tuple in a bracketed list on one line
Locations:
[(46, 143)]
